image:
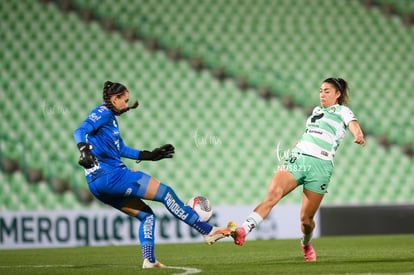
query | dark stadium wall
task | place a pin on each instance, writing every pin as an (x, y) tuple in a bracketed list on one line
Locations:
[(364, 220)]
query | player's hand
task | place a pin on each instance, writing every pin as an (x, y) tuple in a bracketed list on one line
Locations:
[(165, 151), (359, 139), (86, 159)]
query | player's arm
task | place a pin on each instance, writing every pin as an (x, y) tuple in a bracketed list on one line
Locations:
[(86, 158), (90, 124), (82, 131), (356, 130), (165, 151), (128, 152), (96, 119)]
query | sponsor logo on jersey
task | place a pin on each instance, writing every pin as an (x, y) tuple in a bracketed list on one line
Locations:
[(310, 131), (91, 170), (116, 142), (128, 192), (94, 117), (102, 109)]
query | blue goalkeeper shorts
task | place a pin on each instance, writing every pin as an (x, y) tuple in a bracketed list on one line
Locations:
[(119, 186)]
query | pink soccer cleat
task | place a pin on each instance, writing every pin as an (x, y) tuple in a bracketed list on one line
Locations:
[(308, 252), (238, 233)]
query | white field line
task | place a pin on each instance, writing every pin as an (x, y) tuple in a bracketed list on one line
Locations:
[(187, 270)]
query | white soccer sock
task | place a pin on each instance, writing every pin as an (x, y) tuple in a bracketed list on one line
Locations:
[(306, 238), (252, 221)]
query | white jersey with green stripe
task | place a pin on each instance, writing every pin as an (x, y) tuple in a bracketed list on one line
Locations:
[(325, 129)]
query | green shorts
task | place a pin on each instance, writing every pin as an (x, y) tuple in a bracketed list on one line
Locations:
[(311, 172)]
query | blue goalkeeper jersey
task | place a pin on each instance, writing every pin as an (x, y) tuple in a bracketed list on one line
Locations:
[(100, 129)]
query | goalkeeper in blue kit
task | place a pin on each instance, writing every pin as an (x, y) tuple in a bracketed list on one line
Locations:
[(112, 182)]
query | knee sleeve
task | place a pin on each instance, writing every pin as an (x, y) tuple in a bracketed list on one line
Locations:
[(144, 212)]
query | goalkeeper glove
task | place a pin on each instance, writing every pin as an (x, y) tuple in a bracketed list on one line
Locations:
[(165, 151), (86, 159)]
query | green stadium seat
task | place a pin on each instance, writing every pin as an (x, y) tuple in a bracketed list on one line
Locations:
[(68, 69)]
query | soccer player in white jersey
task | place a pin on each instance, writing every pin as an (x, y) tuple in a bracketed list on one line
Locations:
[(310, 163)]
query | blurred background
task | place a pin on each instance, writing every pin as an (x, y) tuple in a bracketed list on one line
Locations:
[(229, 83)]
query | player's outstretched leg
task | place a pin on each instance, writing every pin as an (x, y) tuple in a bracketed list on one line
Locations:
[(237, 233), (216, 234), (167, 196)]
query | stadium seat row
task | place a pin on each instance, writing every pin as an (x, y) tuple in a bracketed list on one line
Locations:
[(290, 54), (228, 142)]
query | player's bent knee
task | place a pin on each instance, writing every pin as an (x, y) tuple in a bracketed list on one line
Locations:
[(144, 213)]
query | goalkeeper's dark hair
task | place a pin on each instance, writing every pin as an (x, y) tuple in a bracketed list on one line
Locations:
[(342, 86), (111, 89)]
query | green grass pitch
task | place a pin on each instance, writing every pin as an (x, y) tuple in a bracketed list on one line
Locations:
[(389, 254)]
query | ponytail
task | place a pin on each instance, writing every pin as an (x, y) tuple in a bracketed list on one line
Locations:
[(111, 89)]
